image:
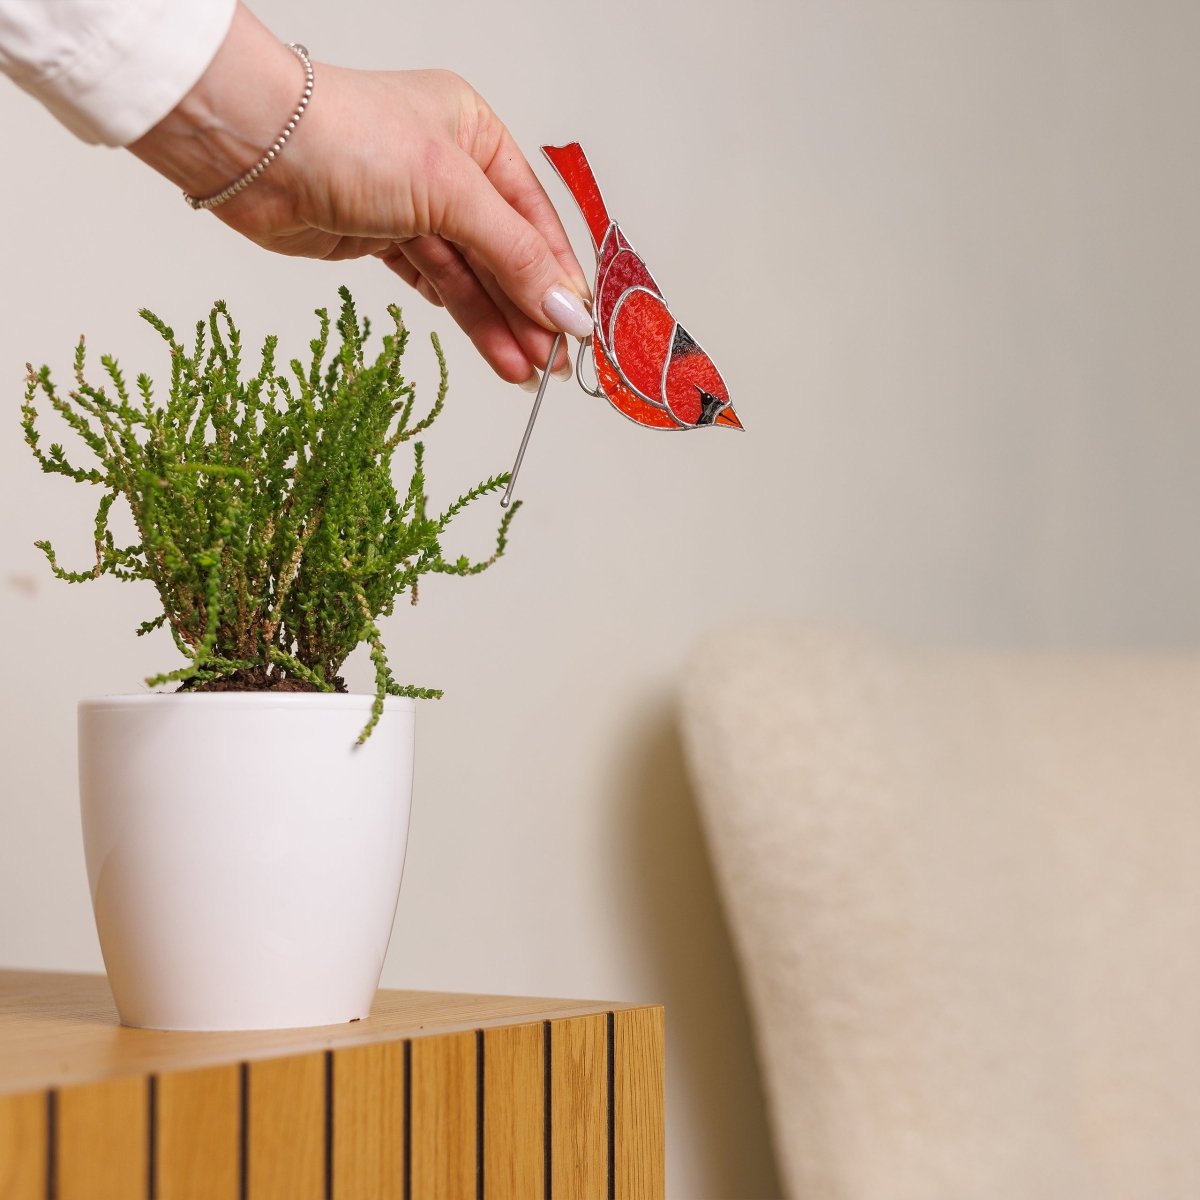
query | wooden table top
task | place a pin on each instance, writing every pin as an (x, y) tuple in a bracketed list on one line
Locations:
[(58, 1029)]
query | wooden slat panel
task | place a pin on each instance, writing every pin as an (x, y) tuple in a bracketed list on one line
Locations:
[(23, 1147), (579, 1108), (199, 1135), (514, 1156), (368, 1122), (102, 1141), (286, 1142), (638, 1112), (443, 1117), (60, 1031)]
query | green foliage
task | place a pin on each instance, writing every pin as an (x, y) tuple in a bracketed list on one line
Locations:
[(265, 509)]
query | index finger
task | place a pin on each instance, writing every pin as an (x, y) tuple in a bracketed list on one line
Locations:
[(509, 172)]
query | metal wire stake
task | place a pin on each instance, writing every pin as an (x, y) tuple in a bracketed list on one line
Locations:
[(537, 403)]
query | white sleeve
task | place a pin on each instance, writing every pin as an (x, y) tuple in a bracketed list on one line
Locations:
[(110, 69)]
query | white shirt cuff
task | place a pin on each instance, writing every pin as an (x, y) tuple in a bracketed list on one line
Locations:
[(110, 70)]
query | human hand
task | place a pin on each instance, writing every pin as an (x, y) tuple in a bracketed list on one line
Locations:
[(412, 167)]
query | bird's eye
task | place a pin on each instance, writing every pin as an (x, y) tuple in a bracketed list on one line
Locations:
[(710, 405)]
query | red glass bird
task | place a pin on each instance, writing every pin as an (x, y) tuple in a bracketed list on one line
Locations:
[(649, 366)]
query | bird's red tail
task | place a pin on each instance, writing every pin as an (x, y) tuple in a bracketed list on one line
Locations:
[(573, 167)]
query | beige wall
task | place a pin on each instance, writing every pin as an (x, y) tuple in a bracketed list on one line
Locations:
[(946, 255)]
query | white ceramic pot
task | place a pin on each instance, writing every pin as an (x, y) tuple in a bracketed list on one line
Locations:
[(244, 853)]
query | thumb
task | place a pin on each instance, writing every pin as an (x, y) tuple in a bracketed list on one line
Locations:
[(477, 218)]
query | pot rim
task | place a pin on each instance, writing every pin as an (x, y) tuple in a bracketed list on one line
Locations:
[(304, 700)]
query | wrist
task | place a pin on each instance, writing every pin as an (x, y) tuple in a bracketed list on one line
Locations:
[(223, 126)]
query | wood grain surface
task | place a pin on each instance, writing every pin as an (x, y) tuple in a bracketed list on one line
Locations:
[(368, 1122), (579, 1108), (444, 1116), (407, 1105), (103, 1145), (514, 1155), (639, 1142), (198, 1129), (23, 1147), (58, 1029), (286, 1135)]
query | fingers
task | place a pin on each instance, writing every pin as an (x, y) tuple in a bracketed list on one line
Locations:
[(443, 275), (434, 267), (511, 175), (474, 215), (394, 258), (535, 341)]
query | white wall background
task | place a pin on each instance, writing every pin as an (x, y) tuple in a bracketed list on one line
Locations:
[(946, 254)]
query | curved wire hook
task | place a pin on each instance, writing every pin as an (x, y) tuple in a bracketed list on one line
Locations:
[(586, 344)]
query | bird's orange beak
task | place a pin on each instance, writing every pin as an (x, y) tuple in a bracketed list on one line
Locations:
[(728, 417)]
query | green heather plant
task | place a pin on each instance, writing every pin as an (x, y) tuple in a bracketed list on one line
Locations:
[(265, 508)]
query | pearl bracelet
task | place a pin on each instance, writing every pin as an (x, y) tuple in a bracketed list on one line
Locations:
[(267, 159)]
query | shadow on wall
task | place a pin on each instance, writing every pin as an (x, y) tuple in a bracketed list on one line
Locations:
[(713, 1087)]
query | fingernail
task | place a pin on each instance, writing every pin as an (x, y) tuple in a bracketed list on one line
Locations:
[(564, 372), (564, 310), (532, 383)]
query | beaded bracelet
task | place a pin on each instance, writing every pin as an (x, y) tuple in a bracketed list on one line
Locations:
[(263, 163)]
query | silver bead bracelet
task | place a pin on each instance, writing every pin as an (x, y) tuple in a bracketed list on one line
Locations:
[(267, 159)]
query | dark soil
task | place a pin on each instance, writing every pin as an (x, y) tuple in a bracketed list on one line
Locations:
[(258, 679)]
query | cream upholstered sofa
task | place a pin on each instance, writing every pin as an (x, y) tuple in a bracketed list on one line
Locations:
[(965, 893)]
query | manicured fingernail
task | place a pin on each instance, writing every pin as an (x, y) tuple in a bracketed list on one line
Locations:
[(532, 383), (564, 310), (564, 372)]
